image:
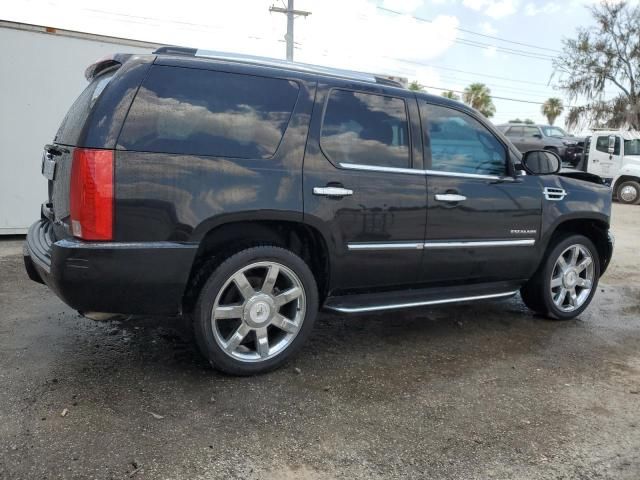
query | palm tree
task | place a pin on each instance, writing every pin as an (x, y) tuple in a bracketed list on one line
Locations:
[(478, 95), (415, 86), (450, 94), (552, 109)]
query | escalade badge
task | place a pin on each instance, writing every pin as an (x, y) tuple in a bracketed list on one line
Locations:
[(523, 232)]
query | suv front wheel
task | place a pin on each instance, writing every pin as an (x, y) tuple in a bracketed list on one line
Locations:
[(256, 310), (565, 283)]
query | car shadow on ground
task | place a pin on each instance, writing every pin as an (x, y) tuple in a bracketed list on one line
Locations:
[(437, 339)]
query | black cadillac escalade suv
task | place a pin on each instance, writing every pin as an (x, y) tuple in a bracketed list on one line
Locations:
[(245, 195)]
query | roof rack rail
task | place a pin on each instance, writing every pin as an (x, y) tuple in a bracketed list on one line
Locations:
[(274, 62)]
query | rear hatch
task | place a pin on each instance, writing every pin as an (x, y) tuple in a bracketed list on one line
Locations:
[(58, 157)]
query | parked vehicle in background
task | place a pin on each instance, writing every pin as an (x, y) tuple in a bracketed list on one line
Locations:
[(615, 156), (245, 193), (543, 137)]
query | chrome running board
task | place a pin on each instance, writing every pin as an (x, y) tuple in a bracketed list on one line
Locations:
[(345, 308)]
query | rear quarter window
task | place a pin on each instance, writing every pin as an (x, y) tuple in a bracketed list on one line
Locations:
[(203, 112), (73, 123)]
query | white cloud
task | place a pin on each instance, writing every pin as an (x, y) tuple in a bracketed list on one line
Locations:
[(489, 52), (531, 9), (362, 37), (493, 8), (487, 28), (406, 6), (355, 35)]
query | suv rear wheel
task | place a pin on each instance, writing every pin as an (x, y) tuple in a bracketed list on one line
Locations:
[(628, 192), (565, 283), (256, 310)]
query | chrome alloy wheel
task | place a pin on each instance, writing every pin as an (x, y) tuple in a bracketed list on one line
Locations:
[(629, 193), (572, 278), (258, 311)]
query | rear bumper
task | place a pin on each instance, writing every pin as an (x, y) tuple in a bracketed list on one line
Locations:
[(113, 277)]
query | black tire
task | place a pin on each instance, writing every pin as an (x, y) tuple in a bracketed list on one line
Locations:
[(629, 200), (202, 315), (536, 293)]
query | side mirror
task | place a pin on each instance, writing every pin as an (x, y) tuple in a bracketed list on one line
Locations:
[(538, 136), (541, 162), (612, 144)]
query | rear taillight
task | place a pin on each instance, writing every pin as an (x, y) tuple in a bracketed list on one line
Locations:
[(91, 194)]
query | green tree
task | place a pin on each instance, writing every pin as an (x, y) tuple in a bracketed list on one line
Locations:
[(415, 86), (451, 94), (515, 120), (478, 96), (552, 109), (604, 57)]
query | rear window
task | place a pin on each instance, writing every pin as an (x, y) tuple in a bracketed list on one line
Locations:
[(203, 112), (71, 127)]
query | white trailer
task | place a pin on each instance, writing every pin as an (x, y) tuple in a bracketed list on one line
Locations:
[(41, 74)]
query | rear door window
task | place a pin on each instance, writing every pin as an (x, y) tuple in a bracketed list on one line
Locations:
[(366, 129), (531, 132), (204, 112)]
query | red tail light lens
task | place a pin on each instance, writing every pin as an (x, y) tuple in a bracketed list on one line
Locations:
[(91, 194)]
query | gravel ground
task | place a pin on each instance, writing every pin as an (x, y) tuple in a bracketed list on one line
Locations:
[(480, 391)]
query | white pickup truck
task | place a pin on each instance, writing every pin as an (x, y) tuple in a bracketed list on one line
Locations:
[(615, 156)]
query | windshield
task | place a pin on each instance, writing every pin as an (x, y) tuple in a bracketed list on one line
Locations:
[(632, 147), (553, 132)]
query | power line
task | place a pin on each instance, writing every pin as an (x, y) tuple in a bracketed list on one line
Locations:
[(471, 32), (533, 92), (509, 51), (414, 62), (492, 96)]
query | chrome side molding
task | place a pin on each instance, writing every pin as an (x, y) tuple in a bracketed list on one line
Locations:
[(443, 301), (521, 242), (525, 242), (386, 246), (415, 171)]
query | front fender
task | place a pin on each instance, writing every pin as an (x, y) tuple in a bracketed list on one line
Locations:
[(583, 201)]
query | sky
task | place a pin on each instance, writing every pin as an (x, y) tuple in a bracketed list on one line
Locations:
[(441, 44)]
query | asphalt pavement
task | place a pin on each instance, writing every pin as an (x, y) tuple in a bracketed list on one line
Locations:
[(476, 391)]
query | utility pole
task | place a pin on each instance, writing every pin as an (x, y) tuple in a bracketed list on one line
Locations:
[(291, 14)]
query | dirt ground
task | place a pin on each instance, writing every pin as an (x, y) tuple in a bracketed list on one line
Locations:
[(472, 391)]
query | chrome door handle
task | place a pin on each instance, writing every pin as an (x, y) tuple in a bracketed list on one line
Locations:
[(332, 191), (450, 197)]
